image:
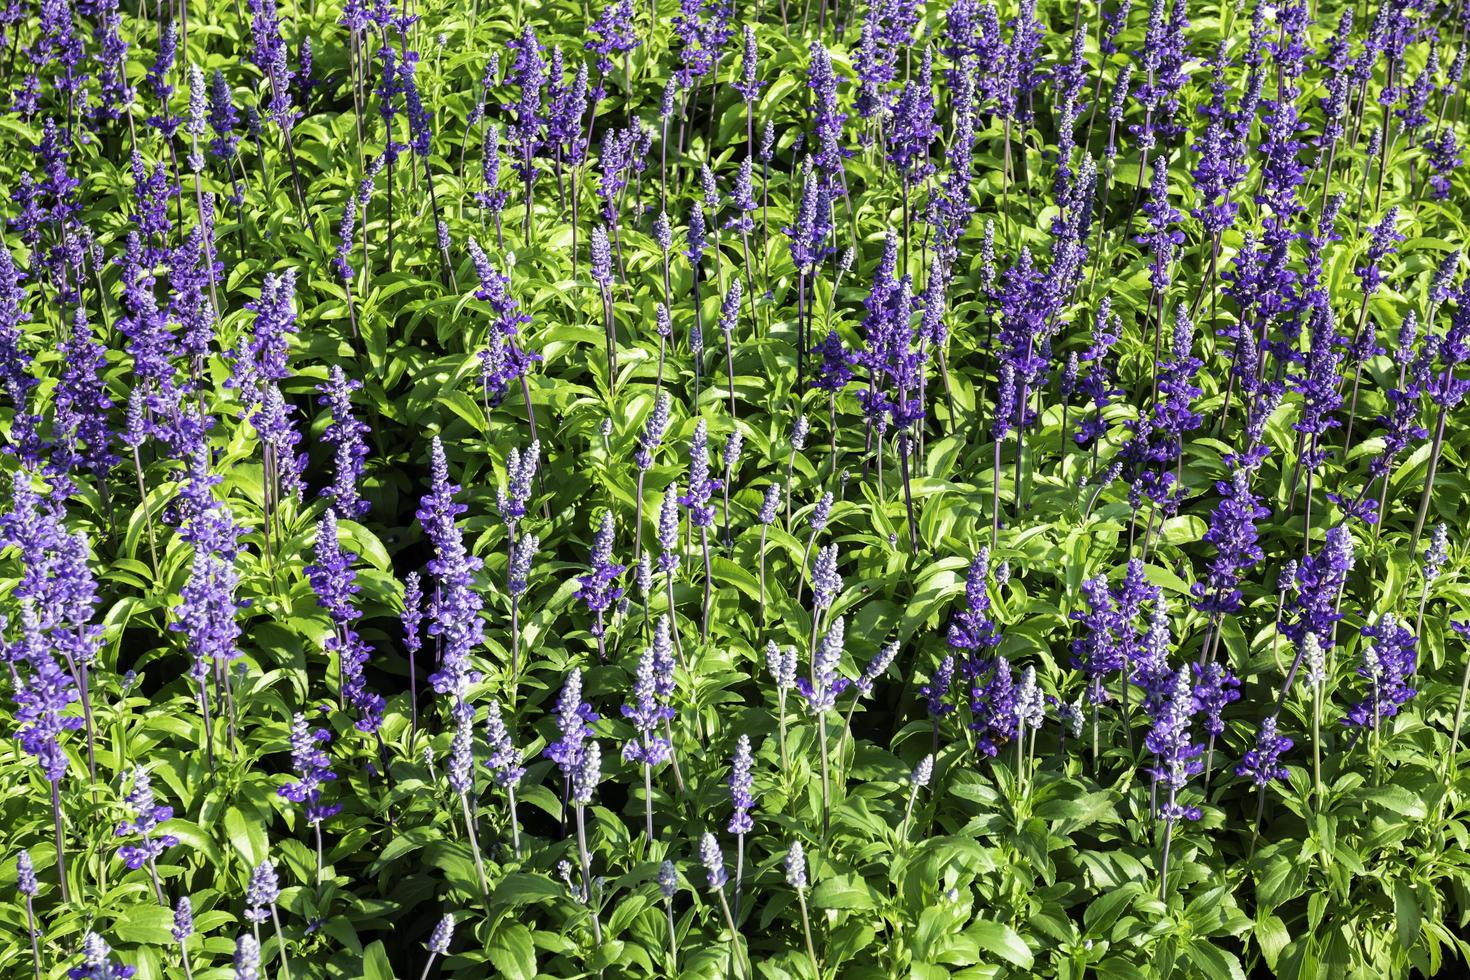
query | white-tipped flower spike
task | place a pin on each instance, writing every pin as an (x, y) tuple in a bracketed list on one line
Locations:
[(799, 433), (713, 860), (247, 958), (587, 774), (1030, 705), (796, 866), (442, 934), (782, 665), (668, 879), (1313, 659), (924, 771)]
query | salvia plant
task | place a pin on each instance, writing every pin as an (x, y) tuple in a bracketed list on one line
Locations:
[(869, 488)]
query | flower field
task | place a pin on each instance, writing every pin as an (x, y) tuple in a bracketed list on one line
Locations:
[(861, 488)]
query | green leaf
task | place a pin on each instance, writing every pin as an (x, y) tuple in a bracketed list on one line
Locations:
[(843, 892), (512, 952), (1001, 940), (375, 965), (1272, 936), (519, 888), (1406, 914), (146, 924)]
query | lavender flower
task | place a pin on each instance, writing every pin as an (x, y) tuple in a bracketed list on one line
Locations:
[(599, 588), (262, 892), (713, 860), (443, 932), (314, 768), (741, 785), (1262, 763)]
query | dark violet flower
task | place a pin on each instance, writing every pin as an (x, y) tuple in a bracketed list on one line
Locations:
[(97, 962), (937, 689), (1233, 533), (1320, 580), (1214, 688), (1382, 239), (1262, 763), (454, 610), (335, 583), (1176, 756), (1389, 662)]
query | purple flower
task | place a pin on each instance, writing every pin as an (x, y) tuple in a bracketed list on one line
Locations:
[(937, 689), (827, 683), (520, 472), (413, 612), (826, 582), (454, 611), (345, 435), (770, 503), (834, 370), (97, 962), (1262, 763), (1233, 533), (1320, 580), (504, 760), (147, 815), (827, 118), (25, 875), (599, 588), (503, 361), (1214, 687), (1176, 757), (574, 719), (443, 932), (612, 33), (587, 774), (262, 892), (668, 531), (335, 583), (314, 768), (1388, 665), (647, 711), (749, 84), (713, 860), (742, 784), (973, 629), (653, 432), (183, 919), (700, 486), (1382, 238)]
